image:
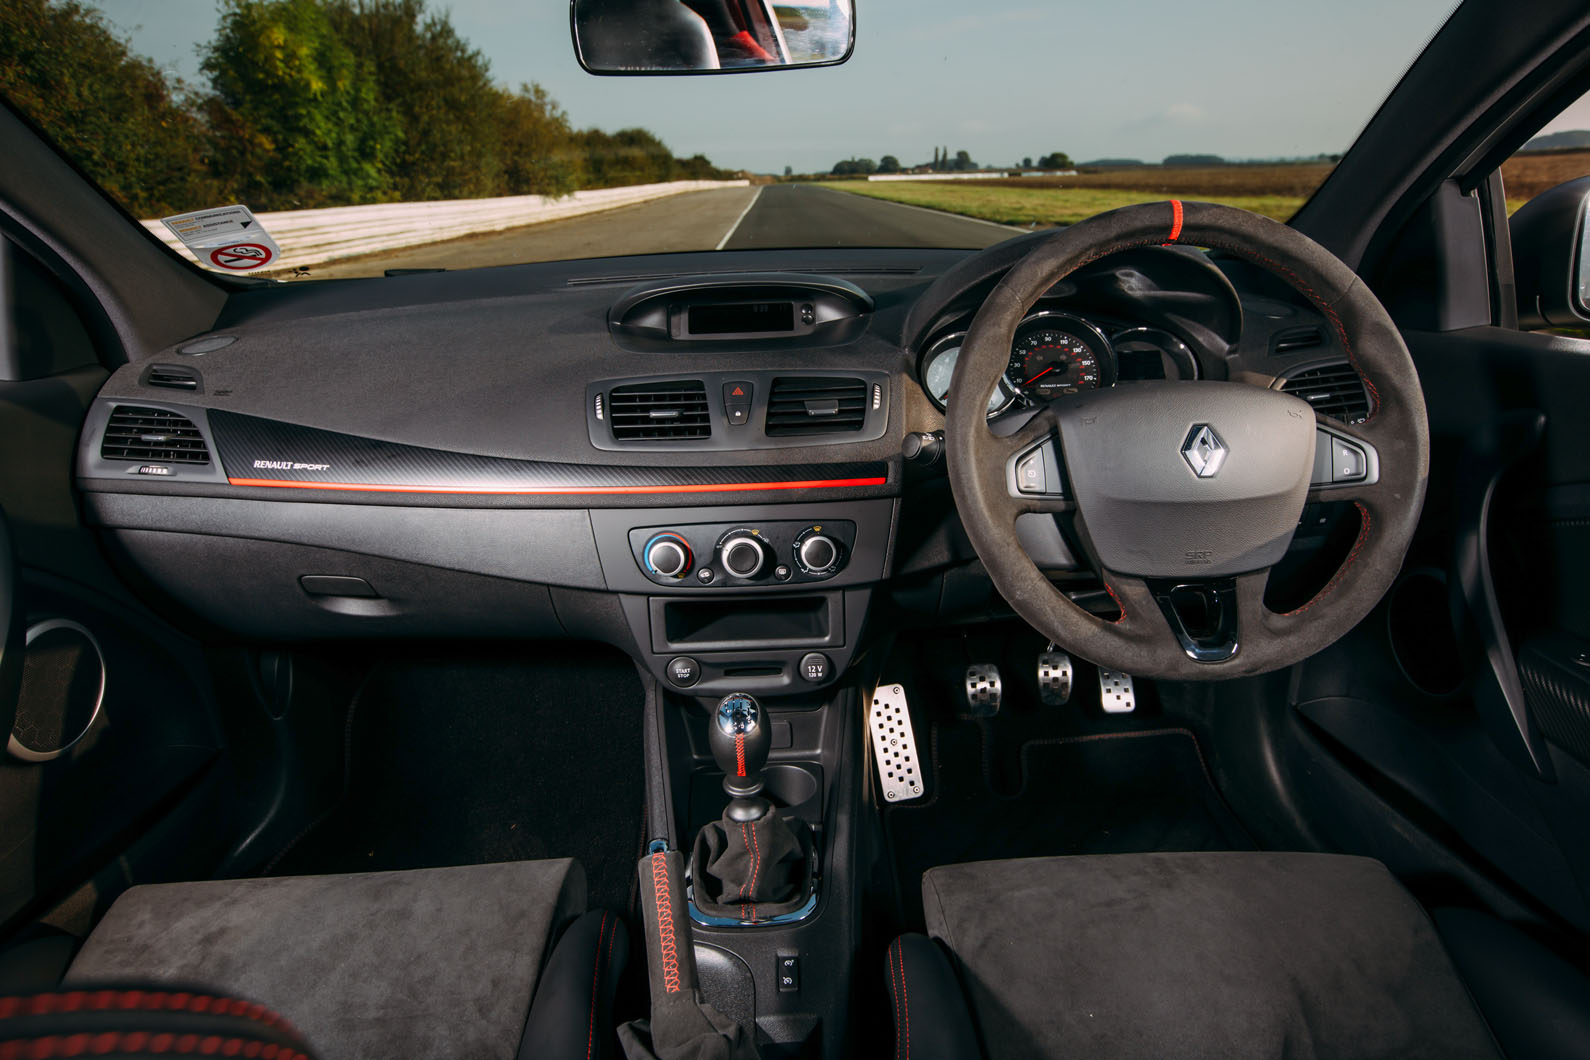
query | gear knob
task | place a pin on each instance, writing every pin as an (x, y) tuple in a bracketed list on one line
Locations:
[(740, 740)]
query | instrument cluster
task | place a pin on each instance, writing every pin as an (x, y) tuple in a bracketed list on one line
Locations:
[(1054, 354)]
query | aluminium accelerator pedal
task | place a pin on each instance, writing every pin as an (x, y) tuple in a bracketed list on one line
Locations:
[(894, 745), (1116, 692)]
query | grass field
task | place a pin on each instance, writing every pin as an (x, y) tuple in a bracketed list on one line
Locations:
[(1272, 190)]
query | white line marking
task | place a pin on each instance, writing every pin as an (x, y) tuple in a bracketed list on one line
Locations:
[(929, 209), (736, 225)]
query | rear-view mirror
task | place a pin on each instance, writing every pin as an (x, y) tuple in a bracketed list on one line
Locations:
[(1551, 257), (710, 36)]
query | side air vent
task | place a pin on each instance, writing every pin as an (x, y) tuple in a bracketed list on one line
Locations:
[(659, 411), (1335, 390), (816, 405), (172, 377), (1297, 340), (136, 433)]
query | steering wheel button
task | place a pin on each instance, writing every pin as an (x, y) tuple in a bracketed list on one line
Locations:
[(1322, 459), (1348, 462), (1030, 477)]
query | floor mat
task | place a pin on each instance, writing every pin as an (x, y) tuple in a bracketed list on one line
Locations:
[(466, 761), (1109, 793)]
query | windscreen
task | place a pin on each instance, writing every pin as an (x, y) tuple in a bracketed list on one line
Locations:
[(315, 139)]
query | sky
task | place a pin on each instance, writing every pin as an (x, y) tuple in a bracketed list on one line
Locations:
[(1003, 79)]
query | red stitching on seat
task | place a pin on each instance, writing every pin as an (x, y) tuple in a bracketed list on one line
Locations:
[(667, 947), (141, 1042), (894, 999), (596, 980), (150, 1000), (905, 1006)]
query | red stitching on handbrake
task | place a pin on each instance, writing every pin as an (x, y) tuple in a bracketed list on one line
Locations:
[(667, 948), (596, 980), (1175, 220)]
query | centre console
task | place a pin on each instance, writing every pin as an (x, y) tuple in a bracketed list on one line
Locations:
[(766, 599)]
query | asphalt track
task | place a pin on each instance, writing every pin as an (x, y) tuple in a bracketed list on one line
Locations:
[(765, 217)]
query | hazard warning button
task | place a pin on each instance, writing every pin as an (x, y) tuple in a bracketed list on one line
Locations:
[(737, 396)]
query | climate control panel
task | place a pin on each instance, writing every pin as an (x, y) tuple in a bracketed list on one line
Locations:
[(779, 552)]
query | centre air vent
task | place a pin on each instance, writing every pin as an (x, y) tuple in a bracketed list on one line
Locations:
[(670, 411), (157, 435), (801, 404), (1335, 390)]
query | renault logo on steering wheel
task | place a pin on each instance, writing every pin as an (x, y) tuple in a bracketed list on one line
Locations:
[(1204, 451)]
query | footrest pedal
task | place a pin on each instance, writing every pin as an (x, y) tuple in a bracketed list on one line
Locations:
[(894, 745)]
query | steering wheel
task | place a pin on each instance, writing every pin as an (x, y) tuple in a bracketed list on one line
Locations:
[(1185, 495)]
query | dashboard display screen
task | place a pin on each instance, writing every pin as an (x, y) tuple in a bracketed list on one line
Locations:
[(742, 318)]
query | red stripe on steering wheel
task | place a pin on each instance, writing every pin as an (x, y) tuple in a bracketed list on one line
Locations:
[(1175, 220)]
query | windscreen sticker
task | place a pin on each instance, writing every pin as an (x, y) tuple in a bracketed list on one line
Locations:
[(241, 257), (227, 237)]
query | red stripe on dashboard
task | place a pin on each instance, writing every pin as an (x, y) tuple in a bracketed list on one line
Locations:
[(727, 487)]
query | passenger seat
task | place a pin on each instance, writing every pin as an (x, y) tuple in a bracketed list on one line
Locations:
[(481, 962)]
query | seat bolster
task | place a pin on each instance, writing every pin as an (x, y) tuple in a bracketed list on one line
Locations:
[(427, 962), (931, 1020), (571, 1017), (1537, 1004)]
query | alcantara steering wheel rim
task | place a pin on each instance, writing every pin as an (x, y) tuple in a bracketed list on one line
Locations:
[(1147, 518)]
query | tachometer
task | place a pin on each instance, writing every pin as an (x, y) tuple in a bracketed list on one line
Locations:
[(1055, 354), (938, 371)]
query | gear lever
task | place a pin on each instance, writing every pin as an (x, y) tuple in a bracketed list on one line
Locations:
[(739, 737)]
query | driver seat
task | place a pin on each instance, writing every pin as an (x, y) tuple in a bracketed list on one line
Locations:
[(1166, 955)]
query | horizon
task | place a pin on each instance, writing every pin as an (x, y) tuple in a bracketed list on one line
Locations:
[(926, 80)]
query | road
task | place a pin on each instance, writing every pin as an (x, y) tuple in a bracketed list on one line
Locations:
[(769, 216)]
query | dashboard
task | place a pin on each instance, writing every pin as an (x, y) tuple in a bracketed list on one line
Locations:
[(711, 460)]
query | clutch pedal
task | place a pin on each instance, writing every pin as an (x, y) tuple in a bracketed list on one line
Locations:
[(894, 745), (1055, 674), (984, 690), (1116, 694)]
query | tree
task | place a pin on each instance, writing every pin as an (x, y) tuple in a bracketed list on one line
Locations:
[(853, 167), (1193, 160), (435, 92), (888, 164), (789, 171), (1026, 163), (113, 112), (1058, 160), (963, 162), (296, 109), (534, 140)]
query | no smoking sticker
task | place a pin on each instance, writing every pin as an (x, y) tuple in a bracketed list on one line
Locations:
[(241, 257), (226, 237)]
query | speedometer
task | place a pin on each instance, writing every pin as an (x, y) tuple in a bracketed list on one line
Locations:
[(1055, 354), (938, 372)]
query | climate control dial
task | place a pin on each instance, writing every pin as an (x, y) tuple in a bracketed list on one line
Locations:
[(818, 553), (743, 555), (669, 556)]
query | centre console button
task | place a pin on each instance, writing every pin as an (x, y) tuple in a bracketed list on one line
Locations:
[(684, 671)]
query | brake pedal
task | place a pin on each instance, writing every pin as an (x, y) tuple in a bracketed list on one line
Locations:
[(894, 745), (1055, 674), (1116, 694), (984, 690)]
